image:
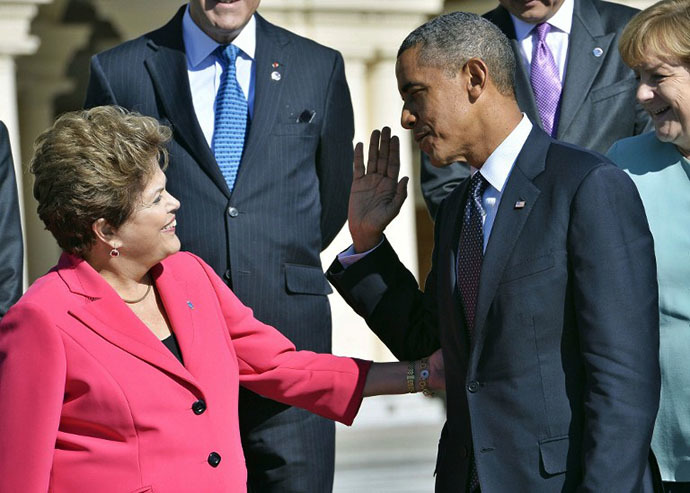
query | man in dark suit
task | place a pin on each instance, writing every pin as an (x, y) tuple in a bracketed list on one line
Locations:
[(263, 233), (11, 247), (542, 292), (597, 103)]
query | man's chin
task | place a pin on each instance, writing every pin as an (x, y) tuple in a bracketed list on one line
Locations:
[(438, 162)]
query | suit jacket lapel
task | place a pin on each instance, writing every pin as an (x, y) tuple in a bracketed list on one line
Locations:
[(586, 34), (179, 306), (107, 315), (450, 224), (167, 66), (507, 227), (523, 87), (270, 48)]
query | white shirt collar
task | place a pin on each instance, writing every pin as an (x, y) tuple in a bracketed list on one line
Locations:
[(198, 45), (497, 167), (561, 20)]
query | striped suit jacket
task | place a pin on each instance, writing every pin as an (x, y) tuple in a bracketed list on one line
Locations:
[(290, 197)]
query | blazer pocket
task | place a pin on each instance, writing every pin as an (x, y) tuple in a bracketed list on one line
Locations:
[(299, 129), (623, 86), (554, 454), (527, 267), (306, 279)]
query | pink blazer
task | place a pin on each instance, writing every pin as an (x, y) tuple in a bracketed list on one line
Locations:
[(92, 401)]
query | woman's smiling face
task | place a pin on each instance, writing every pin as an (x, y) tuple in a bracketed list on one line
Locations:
[(148, 235), (664, 92)]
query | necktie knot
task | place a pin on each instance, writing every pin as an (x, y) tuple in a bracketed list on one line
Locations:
[(228, 55), (478, 185), (542, 30)]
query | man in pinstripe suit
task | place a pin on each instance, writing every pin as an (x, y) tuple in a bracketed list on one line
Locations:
[(289, 199)]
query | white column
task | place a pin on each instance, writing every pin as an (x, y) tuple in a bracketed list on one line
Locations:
[(15, 40), (43, 78)]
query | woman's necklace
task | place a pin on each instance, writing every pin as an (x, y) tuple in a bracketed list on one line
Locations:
[(131, 302)]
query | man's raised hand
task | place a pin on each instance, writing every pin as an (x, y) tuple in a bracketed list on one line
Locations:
[(377, 195)]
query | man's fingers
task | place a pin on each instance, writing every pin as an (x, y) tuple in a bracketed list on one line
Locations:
[(400, 193), (383, 150), (358, 166), (373, 151), (393, 158)]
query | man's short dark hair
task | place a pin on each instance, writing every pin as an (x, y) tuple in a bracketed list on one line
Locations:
[(450, 40)]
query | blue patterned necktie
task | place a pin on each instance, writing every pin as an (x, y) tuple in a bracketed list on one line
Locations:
[(469, 266), (231, 118)]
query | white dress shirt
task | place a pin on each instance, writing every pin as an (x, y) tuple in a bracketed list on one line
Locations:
[(205, 69), (557, 38), (496, 170)]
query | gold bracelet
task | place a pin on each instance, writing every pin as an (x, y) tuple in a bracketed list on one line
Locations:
[(424, 377), (410, 377)]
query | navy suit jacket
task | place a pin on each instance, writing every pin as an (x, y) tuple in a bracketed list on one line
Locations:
[(598, 104), (560, 387), (290, 197), (11, 247)]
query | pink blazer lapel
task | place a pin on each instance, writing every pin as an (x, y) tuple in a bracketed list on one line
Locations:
[(106, 314)]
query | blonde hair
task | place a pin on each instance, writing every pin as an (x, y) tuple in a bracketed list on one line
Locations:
[(94, 164), (662, 31)]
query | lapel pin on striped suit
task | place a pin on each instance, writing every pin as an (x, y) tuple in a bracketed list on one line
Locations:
[(520, 204)]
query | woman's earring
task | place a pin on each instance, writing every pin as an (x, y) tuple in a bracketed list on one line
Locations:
[(114, 252)]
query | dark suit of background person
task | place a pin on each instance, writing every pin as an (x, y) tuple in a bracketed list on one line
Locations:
[(11, 247), (598, 104), (264, 239), (559, 388)]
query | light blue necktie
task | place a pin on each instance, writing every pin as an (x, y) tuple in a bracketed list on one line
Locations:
[(231, 118)]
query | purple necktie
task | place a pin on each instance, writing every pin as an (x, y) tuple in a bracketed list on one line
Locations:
[(546, 83), (471, 249)]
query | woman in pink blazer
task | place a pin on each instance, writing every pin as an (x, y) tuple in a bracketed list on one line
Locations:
[(93, 400)]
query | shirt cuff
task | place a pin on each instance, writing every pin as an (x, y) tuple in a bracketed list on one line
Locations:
[(349, 256)]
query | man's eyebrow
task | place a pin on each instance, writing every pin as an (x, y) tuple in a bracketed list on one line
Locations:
[(408, 86)]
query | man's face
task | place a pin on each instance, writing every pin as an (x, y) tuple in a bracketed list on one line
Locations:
[(435, 108), (222, 20), (532, 11)]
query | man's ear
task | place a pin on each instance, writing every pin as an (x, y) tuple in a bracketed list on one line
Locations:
[(477, 74), (104, 232)]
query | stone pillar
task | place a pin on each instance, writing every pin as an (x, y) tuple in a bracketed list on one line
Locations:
[(15, 40), (43, 77)]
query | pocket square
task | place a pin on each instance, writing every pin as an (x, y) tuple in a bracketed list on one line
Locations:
[(306, 116)]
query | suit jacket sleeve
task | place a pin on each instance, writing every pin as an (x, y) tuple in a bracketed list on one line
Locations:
[(437, 183), (12, 250), (616, 310), (335, 154), (269, 364), (381, 290), (32, 385)]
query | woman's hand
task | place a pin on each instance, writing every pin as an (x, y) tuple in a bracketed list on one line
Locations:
[(437, 372)]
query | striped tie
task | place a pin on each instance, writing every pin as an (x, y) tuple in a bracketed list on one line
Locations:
[(231, 118)]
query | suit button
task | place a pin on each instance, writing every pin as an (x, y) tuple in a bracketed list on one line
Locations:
[(214, 459), (227, 275), (473, 386), (199, 407), (233, 212)]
